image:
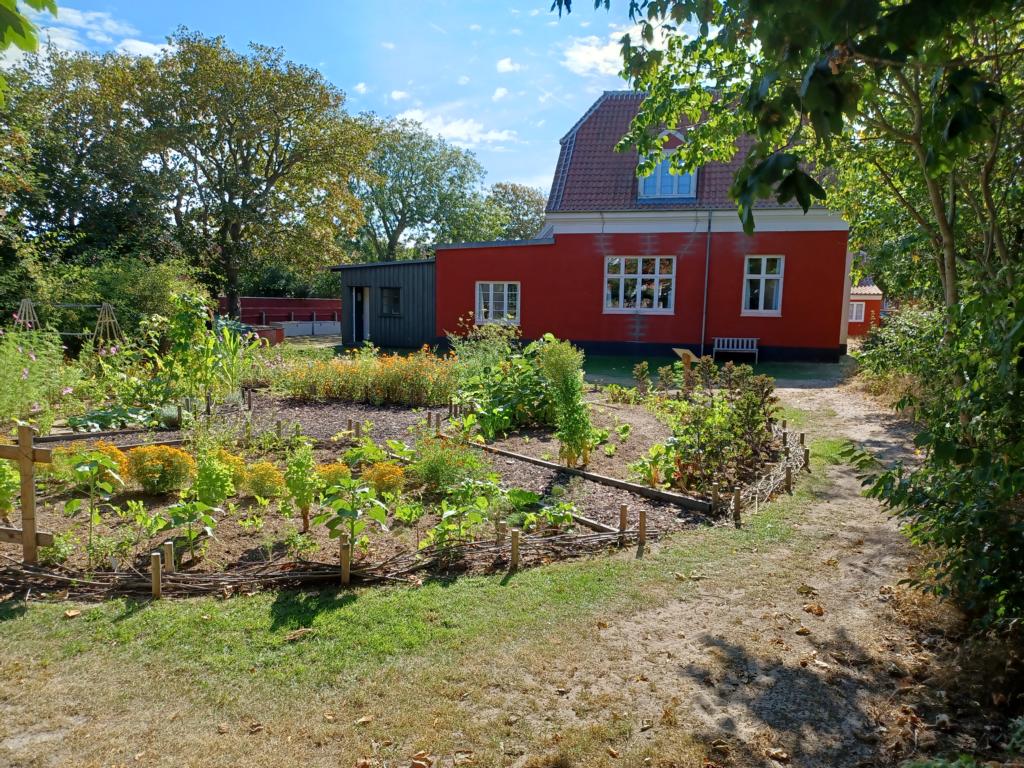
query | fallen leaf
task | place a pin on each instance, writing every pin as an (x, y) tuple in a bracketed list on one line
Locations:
[(364, 720), (363, 763), (298, 634), (803, 630), (814, 609), (721, 746), (561, 691), (646, 724), (831, 562), (602, 625), (612, 752), (222, 728), (806, 590), (255, 727), (71, 613), (777, 754), (329, 717)]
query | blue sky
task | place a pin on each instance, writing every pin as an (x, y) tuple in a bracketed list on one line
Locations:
[(506, 80)]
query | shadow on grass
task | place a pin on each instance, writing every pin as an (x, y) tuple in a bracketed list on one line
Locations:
[(12, 608), (293, 609)]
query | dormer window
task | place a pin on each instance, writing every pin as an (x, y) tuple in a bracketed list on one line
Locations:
[(663, 184)]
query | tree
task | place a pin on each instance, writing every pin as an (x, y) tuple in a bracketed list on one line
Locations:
[(262, 151), (523, 206), (420, 191)]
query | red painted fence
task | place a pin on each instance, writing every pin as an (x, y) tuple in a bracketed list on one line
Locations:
[(260, 310)]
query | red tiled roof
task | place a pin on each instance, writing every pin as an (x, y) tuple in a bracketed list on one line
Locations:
[(592, 176)]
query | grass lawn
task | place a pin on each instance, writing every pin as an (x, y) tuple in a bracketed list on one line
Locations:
[(618, 369), (387, 671)]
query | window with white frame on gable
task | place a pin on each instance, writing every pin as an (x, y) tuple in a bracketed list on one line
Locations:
[(639, 284), (762, 285), (663, 183), (497, 303), (856, 314)]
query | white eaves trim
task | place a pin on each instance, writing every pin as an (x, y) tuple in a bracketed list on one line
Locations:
[(611, 222)]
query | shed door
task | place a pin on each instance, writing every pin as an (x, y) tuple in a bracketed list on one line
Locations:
[(360, 314)]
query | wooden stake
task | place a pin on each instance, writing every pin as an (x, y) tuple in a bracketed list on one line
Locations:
[(785, 438), (451, 409), (802, 436), (279, 427), (789, 479), (641, 529), (807, 459), (181, 420), (350, 425), (785, 424), (154, 566), (248, 398), (345, 552), (209, 404), (359, 430), (513, 561), (714, 496), (499, 534), (623, 522), (26, 464), (736, 502), (169, 556)]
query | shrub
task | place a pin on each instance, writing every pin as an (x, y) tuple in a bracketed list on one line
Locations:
[(160, 469), (421, 378), (384, 477), (442, 463), (332, 474), (265, 480)]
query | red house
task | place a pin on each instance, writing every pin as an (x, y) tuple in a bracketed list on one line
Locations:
[(628, 264), (865, 307)]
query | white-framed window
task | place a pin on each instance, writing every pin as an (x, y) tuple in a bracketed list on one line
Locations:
[(497, 303), (640, 284), (856, 314), (662, 183), (762, 285)]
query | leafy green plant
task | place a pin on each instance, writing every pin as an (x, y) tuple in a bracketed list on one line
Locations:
[(610, 450), (442, 463), (623, 431), (562, 365), (60, 551), (299, 545), (94, 475), (349, 507), (35, 381), (642, 377), (365, 451), (196, 518), (456, 525), (148, 524), (10, 486), (302, 480), (114, 417), (213, 484), (160, 469), (251, 523), (408, 512)]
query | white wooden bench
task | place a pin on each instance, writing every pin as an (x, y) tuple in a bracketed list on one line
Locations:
[(734, 344)]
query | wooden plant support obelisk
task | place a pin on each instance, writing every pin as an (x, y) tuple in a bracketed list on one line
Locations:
[(27, 455)]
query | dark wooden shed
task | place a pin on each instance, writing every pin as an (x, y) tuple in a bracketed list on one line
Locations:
[(390, 303)]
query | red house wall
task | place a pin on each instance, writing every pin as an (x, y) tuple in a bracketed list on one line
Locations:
[(872, 315), (562, 287)]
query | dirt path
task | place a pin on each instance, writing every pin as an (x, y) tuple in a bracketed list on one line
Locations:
[(745, 664)]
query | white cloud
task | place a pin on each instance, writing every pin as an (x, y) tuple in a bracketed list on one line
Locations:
[(134, 47), (388, 46), (596, 56), (93, 23), (499, 94), (438, 28), (475, 27), (515, 31), (359, 88), (399, 95), (535, 12), (507, 65), (463, 132), (463, 80), (593, 56)]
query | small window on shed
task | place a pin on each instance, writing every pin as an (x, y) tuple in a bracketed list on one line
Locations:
[(391, 301)]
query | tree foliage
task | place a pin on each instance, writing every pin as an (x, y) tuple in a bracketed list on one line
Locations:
[(421, 190), (523, 207)]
